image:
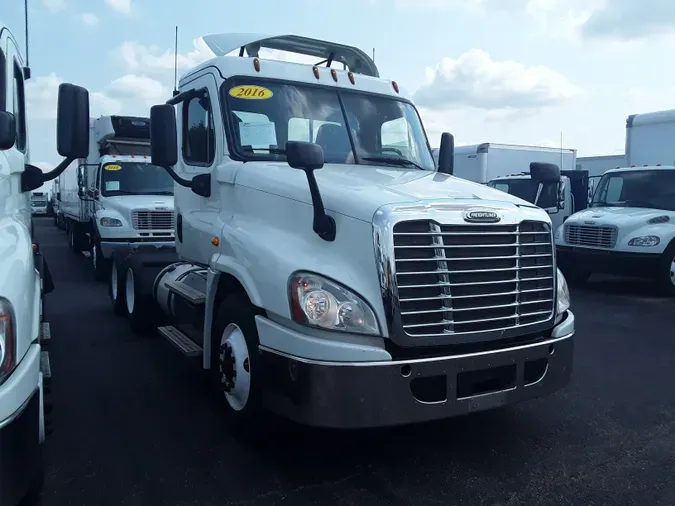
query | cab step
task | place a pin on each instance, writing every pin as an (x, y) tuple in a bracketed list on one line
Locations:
[(45, 366), (45, 333), (187, 292), (181, 341)]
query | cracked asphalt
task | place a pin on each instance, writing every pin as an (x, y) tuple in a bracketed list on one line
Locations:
[(136, 425)]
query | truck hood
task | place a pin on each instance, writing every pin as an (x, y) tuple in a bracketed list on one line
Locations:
[(618, 216), (140, 202), (359, 191)]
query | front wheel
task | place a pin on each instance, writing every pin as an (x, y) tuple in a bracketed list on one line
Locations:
[(116, 288), (665, 276), (235, 361), (139, 307), (100, 265)]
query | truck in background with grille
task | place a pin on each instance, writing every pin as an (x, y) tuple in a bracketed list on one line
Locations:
[(629, 228), (116, 197), (326, 268)]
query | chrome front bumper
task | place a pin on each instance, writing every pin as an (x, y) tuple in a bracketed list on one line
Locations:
[(387, 393)]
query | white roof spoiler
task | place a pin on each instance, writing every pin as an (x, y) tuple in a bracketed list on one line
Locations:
[(356, 60)]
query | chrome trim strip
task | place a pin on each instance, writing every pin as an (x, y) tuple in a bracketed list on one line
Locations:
[(500, 351)]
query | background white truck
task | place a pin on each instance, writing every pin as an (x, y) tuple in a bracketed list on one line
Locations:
[(597, 166), (115, 196), (482, 163), (39, 201), (334, 282), (649, 139), (25, 370), (629, 228), (560, 197)]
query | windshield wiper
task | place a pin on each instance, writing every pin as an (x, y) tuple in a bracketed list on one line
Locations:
[(392, 160), (166, 192)]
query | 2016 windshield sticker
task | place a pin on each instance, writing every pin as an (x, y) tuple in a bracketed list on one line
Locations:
[(112, 167), (251, 92)]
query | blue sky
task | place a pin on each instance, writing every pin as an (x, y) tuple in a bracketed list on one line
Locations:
[(517, 71)]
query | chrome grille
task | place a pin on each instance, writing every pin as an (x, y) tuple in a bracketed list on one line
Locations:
[(589, 235), (461, 279), (152, 220)]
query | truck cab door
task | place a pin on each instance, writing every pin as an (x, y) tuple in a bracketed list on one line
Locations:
[(201, 149)]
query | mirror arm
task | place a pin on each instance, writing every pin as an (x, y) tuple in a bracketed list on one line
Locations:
[(56, 171), (186, 183), (323, 225)]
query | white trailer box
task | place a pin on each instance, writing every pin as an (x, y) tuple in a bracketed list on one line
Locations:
[(482, 163), (649, 139)]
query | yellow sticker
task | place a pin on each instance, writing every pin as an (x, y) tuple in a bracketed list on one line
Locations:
[(251, 92), (112, 167)]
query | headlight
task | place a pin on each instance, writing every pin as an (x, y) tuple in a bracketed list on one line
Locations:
[(7, 339), (110, 222), (644, 241), (318, 302), (563, 303)]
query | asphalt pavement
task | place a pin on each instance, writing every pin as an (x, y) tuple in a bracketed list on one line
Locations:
[(135, 423)]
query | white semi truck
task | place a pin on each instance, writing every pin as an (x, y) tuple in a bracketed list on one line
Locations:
[(597, 166), (560, 198), (482, 163), (332, 273), (39, 202), (25, 371), (115, 196), (629, 228)]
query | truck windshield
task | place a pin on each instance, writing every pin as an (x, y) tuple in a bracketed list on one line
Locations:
[(368, 130), (135, 178), (654, 189), (526, 189)]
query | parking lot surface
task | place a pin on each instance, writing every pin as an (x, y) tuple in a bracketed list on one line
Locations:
[(136, 425)]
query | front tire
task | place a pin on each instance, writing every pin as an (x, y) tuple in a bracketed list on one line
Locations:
[(116, 288), (99, 264), (235, 362), (665, 277), (139, 307)]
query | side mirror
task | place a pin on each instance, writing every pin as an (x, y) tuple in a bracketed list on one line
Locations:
[(80, 175), (561, 194), (81, 192), (72, 130), (163, 135), (31, 178), (446, 154), (305, 156), (308, 157), (58, 195), (544, 172), (7, 130)]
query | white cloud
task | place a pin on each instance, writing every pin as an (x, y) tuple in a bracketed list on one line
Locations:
[(155, 59), (121, 6), (89, 19), (152, 58), (474, 79), (131, 93), (54, 5), (630, 19), (133, 87)]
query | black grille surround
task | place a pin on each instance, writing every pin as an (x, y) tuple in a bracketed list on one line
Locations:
[(466, 283)]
